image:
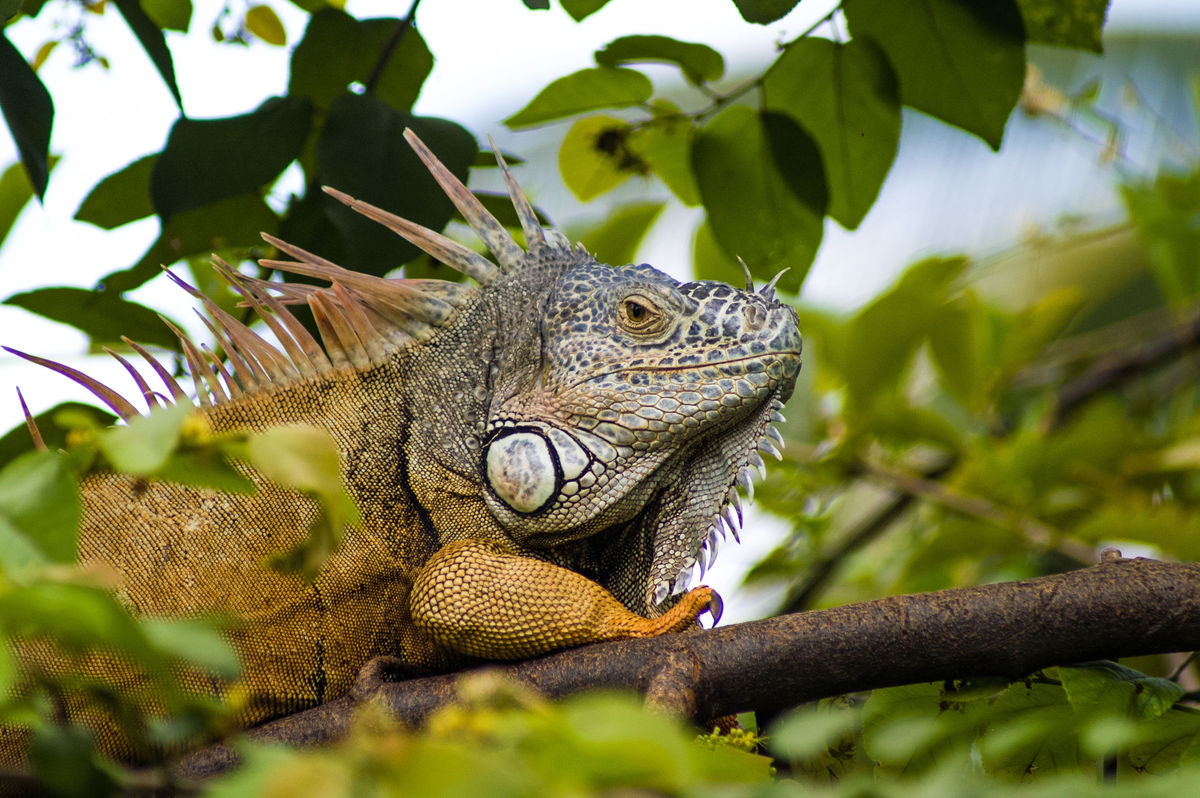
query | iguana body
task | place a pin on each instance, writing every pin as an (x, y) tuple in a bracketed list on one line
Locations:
[(539, 460)]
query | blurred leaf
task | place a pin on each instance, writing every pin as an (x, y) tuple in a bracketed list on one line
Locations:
[(665, 145), (810, 731), (1075, 23), (845, 95), (204, 467), (616, 240), (1116, 689), (579, 9), (120, 198), (960, 341), (64, 758), (764, 12), (29, 111), (15, 191), (103, 315), (762, 184), (1029, 730), (537, 5), (585, 90), (9, 9), (699, 62), (1036, 326), (961, 61), (884, 335), (153, 42), (1164, 741), (358, 45), (195, 641), (230, 225), (78, 618), (39, 501), (594, 157), (169, 14), (1167, 216), (144, 443), (392, 178), (263, 23), (214, 159)]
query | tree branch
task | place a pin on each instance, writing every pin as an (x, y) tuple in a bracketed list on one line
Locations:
[(1120, 608)]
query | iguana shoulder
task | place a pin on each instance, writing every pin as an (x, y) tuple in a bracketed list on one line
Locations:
[(542, 457)]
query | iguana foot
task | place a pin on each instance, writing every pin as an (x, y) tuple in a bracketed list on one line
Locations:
[(683, 616)]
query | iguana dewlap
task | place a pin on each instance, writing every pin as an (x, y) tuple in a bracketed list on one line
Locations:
[(541, 458)]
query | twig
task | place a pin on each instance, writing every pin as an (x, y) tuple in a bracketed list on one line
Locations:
[(389, 47)]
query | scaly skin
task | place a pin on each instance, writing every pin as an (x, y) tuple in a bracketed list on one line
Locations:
[(539, 462)]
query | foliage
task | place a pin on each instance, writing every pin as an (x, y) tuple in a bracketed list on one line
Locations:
[(950, 435)]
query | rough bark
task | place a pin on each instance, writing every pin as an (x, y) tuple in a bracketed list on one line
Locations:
[(1119, 608)]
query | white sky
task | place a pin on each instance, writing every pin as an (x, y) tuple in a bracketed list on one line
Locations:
[(491, 57)]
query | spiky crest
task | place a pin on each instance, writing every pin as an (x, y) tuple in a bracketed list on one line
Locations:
[(363, 320)]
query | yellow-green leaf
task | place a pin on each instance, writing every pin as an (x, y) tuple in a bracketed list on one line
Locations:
[(265, 24)]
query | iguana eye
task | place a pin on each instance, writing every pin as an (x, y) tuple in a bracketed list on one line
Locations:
[(637, 314)]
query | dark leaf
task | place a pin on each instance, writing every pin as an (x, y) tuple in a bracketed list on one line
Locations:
[(1076, 23), (213, 159), (120, 198), (486, 159), (169, 14), (29, 112), (962, 61), (761, 180), (665, 146), (153, 42), (585, 90), (17, 440), (360, 45), (845, 95), (392, 177), (103, 315), (764, 11), (579, 9), (537, 5), (229, 227), (699, 62), (15, 191)]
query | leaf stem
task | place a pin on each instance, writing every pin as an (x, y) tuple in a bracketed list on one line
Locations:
[(389, 47)]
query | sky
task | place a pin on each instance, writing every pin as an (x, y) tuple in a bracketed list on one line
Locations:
[(491, 57)]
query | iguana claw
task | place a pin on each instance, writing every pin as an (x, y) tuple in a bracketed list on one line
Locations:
[(716, 606)]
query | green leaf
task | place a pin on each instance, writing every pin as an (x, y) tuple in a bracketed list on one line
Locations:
[(265, 24), (230, 227), (204, 467), (699, 62), (845, 95), (358, 45), (103, 315), (9, 9), (213, 159), (120, 198), (579, 9), (17, 440), (961, 61), (1030, 728), (195, 641), (169, 14), (585, 90), (78, 617), (150, 36), (761, 180), (665, 145), (15, 191), (1073, 23), (392, 178), (64, 759), (143, 445), (1165, 213), (883, 337), (616, 240), (29, 112), (537, 5), (1116, 689), (1164, 741), (39, 502), (594, 157), (960, 341), (764, 12)]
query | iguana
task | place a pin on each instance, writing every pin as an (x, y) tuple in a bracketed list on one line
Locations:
[(541, 459)]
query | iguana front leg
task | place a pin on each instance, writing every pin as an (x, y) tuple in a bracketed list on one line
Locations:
[(475, 598)]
